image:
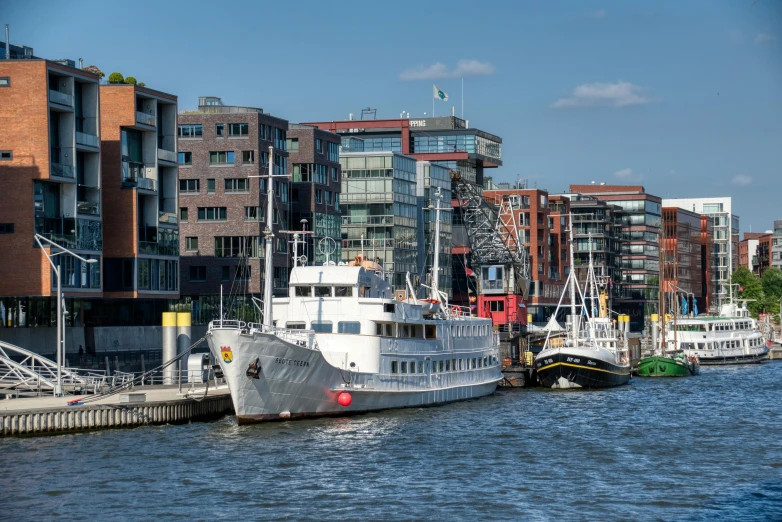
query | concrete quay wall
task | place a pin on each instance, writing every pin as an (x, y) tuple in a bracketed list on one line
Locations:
[(50, 421)]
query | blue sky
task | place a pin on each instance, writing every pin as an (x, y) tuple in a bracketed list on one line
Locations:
[(682, 97)]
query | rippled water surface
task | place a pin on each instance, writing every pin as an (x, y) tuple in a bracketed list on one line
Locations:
[(702, 448)]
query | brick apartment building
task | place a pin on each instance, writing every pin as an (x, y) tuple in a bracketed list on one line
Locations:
[(222, 202), (755, 251), (316, 176), (139, 173), (64, 175), (689, 256), (50, 184), (641, 219)]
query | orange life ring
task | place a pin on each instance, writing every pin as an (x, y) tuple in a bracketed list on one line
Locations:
[(455, 310)]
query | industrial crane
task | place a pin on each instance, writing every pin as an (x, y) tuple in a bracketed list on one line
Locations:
[(500, 260)]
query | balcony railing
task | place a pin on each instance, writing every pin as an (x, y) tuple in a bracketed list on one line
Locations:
[(167, 217), (367, 220), (62, 162), (146, 119), (87, 207), (148, 247), (65, 240), (167, 155), (60, 98), (146, 184), (87, 139)]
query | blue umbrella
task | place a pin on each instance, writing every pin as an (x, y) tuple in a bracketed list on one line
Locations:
[(684, 305), (694, 307)]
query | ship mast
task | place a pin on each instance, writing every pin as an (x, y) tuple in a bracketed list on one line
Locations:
[(435, 291), (573, 317)]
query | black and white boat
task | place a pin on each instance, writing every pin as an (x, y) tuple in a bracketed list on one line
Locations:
[(594, 354)]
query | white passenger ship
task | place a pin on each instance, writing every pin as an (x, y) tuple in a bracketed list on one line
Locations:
[(731, 338), (340, 344)]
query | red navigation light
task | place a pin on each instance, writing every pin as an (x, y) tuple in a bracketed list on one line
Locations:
[(344, 399)]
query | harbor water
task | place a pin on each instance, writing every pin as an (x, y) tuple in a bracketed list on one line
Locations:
[(701, 448)]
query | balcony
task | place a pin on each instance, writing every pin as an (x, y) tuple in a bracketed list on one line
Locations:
[(64, 240), (62, 162), (144, 118), (87, 139), (88, 208), (157, 249), (367, 220), (60, 98), (167, 155), (167, 217)]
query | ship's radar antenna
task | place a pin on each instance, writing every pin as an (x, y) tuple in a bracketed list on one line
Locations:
[(327, 246)]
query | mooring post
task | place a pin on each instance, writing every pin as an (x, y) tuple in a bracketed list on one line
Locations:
[(143, 371)]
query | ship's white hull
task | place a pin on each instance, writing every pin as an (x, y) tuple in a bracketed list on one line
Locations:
[(295, 381)]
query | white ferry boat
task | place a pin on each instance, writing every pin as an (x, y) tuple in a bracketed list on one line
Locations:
[(341, 344), (730, 338)]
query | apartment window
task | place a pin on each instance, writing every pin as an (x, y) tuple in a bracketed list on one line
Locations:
[(5, 81), (248, 156), (334, 175), (212, 213), (185, 158), (275, 215), (6, 228), (221, 158), (238, 129), (183, 214), (190, 131), (236, 185), (236, 246), (284, 192), (319, 145), (318, 196), (328, 197), (6, 155), (191, 243), (292, 144), (189, 186), (254, 214), (241, 272), (220, 129), (197, 274), (334, 152), (210, 186)]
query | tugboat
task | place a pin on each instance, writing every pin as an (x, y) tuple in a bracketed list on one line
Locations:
[(594, 355)]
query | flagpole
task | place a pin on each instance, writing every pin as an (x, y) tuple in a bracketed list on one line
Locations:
[(462, 98)]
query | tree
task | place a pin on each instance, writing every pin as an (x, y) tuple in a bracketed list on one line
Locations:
[(749, 288), (772, 282), (131, 80), (116, 77), (94, 70), (141, 84)]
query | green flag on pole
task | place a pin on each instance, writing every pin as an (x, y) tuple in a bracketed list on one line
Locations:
[(440, 94)]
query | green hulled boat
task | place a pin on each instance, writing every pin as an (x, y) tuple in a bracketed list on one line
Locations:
[(664, 366)]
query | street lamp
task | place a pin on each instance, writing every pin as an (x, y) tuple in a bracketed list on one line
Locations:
[(60, 331)]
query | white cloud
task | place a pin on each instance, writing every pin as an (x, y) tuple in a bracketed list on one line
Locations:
[(764, 38), (741, 180), (619, 94), (628, 175), (440, 70)]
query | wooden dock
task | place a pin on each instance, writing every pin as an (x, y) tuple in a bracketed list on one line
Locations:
[(161, 405)]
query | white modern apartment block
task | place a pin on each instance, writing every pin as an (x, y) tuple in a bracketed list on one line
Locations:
[(726, 237)]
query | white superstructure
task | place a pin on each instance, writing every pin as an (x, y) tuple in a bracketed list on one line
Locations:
[(731, 338), (340, 330)]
